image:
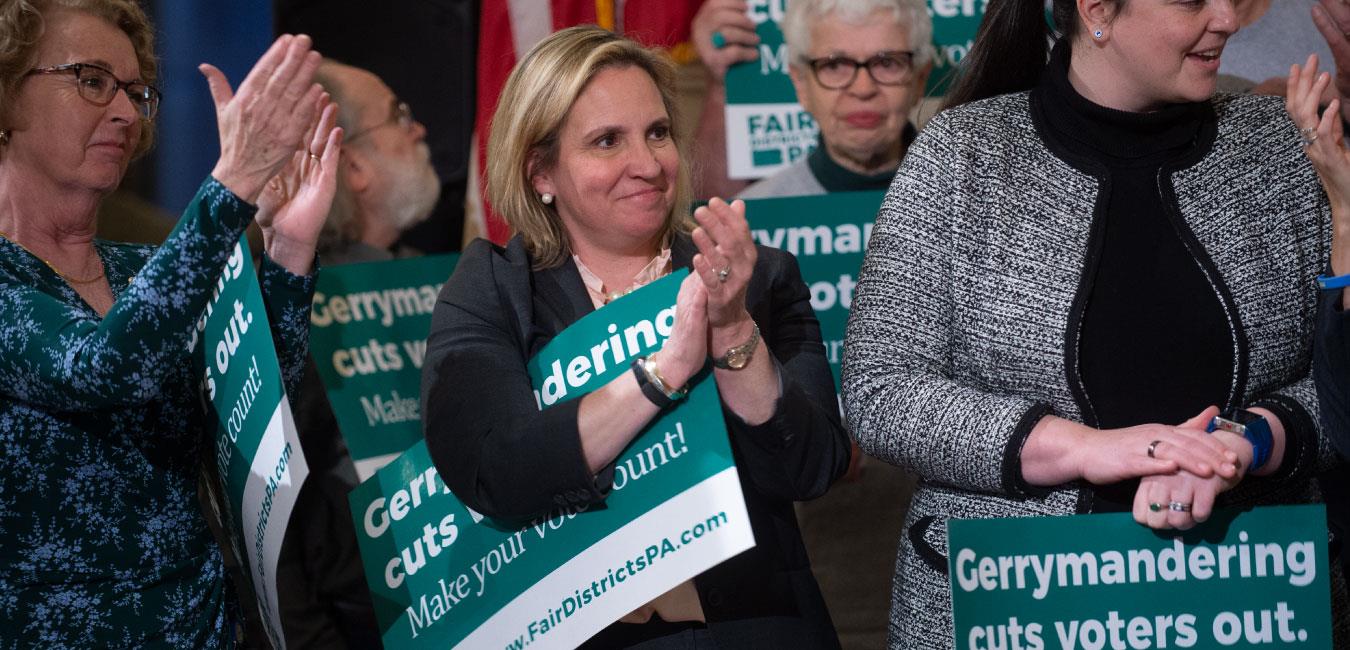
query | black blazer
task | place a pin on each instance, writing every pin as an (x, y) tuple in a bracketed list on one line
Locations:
[(505, 458), (1331, 369)]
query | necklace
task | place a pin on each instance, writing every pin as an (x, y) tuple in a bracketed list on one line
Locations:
[(63, 276)]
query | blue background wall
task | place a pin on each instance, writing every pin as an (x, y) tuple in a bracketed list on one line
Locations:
[(230, 35)]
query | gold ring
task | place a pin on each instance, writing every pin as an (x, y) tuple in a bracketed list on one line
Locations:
[(315, 157)]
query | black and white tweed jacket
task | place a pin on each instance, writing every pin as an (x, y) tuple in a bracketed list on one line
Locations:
[(964, 328)]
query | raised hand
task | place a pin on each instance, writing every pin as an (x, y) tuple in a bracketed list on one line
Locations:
[(685, 352), (1324, 141), (262, 124), (734, 30), (295, 203), (1332, 18), (725, 261)]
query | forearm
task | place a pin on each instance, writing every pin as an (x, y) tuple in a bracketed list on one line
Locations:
[(751, 392), (73, 362), (610, 417), (288, 298), (1050, 455)]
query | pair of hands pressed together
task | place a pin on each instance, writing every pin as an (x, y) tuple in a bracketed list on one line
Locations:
[(1187, 465), (279, 147), (710, 314)]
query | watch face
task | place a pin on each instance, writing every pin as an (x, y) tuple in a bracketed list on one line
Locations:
[(737, 360)]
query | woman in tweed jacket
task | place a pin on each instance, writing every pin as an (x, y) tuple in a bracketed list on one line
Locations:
[(1060, 275)]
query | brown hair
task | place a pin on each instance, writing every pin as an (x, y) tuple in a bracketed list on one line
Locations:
[(530, 113), (22, 26)]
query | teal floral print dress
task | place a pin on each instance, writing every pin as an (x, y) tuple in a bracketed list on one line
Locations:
[(102, 435)]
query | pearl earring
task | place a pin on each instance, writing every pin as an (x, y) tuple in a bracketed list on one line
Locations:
[(4, 136), (1097, 33), (546, 198)]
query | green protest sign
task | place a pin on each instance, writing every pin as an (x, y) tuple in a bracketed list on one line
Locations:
[(828, 233), (766, 129), (1244, 579), (368, 332), (442, 575), (257, 451), (955, 23)]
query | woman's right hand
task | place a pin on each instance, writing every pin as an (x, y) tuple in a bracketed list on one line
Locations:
[(685, 352), (740, 42), (1060, 451), (261, 126)]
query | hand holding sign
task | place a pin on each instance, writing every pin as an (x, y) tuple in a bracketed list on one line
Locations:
[(723, 36)]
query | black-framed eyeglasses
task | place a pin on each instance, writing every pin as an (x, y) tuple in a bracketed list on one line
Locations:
[(400, 113), (886, 68), (99, 85)]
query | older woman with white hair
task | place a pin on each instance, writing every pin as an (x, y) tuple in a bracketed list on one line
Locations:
[(858, 66)]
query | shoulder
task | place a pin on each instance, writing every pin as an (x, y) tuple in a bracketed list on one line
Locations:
[(485, 271), (991, 133), (995, 117), (1255, 131), (794, 180)]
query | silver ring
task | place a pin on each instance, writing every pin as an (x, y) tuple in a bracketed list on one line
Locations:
[(1152, 447), (315, 157), (722, 275), (1309, 136), (1177, 506)]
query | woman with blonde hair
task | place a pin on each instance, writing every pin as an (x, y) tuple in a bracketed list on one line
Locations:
[(587, 166)]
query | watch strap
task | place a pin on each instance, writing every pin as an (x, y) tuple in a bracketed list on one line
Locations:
[(1331, 283), (746, 350), (1254, 428)]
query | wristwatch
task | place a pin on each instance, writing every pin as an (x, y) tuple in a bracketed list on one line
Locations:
[(739, 356), (1251, 426)]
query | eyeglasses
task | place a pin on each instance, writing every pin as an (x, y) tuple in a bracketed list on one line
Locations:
[(400, 113), (886, 68), (98, 85)]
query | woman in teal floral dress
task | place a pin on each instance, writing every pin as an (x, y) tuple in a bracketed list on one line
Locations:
[(102, 429)]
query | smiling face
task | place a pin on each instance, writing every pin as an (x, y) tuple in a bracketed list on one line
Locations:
[(1166, 51), (862, 122), (59, 135), (617, 165)]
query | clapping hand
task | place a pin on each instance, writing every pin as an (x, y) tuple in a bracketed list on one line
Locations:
[(295, 203), (262, 124)]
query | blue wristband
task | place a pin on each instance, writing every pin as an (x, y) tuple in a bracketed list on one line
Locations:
[(1254, 428), (1329, 283)]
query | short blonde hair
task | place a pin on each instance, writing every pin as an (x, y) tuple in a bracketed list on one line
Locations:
[(530, 114), (22, 26)]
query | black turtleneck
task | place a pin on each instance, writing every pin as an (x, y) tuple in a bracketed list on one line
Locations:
[(1154, 343), (836, 178)]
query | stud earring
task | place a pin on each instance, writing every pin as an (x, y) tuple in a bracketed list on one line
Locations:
[(546, 198), (4, 136), (1097, 34)]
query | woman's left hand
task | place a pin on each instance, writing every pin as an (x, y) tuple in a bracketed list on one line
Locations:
[(295, 203), (725, 262), (1156, 495)]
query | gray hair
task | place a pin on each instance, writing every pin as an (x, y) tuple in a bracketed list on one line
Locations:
[(801, 14), (341, 227)]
